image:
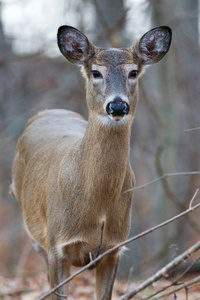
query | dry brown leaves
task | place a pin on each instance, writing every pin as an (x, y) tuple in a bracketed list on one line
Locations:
[(82, 288)]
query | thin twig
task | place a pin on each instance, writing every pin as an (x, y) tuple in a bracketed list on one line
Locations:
[(163, 273), (191, 201), (120, 245), (163, 177), (61, 295), (174, 282), (169, 193), (191, 129), (187, 284), (193, 285), (90, 256), (166, 187)]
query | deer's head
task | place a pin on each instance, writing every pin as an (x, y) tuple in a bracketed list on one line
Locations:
[(111, 73)]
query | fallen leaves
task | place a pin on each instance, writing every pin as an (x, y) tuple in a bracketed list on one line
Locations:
[(82, 288)]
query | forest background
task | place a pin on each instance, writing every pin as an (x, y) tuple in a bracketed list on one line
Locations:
[(34, 76)]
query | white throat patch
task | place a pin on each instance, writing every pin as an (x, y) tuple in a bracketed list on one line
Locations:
[(111, 121)]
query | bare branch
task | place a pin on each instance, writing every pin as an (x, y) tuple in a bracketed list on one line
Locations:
[(90, 255), (191, 129), (170, 194), (191, 201), (60, 295), (175, 282), (161, 178), (163, 272), (190, 209), (187, 284), (166, 187)]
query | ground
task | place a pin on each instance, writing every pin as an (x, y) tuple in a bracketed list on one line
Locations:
[(82, 288), (27, 279)]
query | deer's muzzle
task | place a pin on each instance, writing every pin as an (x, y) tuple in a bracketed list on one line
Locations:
[(117, 108)]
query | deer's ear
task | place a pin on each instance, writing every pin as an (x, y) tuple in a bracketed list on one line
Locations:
[(74, 45), (153, 45)]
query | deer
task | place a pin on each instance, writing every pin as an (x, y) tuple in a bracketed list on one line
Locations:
[(70, 176)]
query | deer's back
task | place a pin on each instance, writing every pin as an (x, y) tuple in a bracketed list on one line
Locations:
[(46, 135), (53, 124)]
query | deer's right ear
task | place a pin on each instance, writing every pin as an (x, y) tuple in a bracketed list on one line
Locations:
[(74, 45)]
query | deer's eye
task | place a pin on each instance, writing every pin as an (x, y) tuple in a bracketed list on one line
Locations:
[(133, 74), (96, 74)]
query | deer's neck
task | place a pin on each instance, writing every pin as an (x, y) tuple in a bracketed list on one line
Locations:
[(106, 158)]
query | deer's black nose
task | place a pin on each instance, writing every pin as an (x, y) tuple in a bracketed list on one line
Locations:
[(117, 108)]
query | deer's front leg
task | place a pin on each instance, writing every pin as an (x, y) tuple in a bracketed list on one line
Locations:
[(105, 276), (58, 271)]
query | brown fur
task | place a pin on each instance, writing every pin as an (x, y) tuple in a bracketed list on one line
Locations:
[(69, 176)]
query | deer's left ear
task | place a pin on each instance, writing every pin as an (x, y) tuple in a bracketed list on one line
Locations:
[(153, 45)]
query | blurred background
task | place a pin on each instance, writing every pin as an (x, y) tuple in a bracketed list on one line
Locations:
[(35, 76)]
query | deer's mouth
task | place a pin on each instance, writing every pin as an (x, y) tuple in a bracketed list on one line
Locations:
[(117, 121)]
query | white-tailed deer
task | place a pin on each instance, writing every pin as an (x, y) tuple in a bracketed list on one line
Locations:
[(69, 176)]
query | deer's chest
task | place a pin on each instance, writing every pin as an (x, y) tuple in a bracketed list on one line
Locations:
[(91, 242)]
